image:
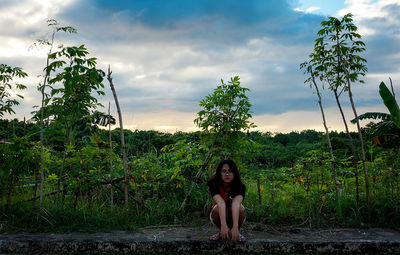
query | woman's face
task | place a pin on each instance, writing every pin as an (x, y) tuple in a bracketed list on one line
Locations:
[(227, 175)]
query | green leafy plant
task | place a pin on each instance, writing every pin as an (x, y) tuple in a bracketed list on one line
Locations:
[(388, 130), (78, 78), (391, 103), (336, 60), (225, 113), (7, 74), (226, 109)]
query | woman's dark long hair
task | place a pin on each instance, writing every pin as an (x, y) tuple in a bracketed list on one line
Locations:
[(216, 178)]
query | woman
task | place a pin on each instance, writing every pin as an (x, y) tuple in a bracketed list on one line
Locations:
[(227, 191)]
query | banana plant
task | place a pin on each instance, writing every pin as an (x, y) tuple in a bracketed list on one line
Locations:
[(389, 128), (390, 101)]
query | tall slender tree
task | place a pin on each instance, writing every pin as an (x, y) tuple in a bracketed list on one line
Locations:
[(336, 59), (75, 80), (311, 79), (55, 28)]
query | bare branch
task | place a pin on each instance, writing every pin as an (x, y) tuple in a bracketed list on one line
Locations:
[(391, 85)]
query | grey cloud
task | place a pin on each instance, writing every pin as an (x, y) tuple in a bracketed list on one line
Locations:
[(173, 66)]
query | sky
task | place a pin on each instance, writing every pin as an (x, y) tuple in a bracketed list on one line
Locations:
[(167, 55)]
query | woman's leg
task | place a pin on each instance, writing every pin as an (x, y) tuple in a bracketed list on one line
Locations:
[(242, 216), (214, 216)]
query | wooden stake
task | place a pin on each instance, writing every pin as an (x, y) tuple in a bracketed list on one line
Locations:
[(111, 162), (122, 136)]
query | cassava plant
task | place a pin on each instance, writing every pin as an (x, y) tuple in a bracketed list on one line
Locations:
[(337, 61), (55, 27), (75, 78), (311, 79), (225, 111), (7, 74)]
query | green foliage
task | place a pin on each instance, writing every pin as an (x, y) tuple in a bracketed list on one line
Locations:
[(388, 130), (296, 184), (336, 58), (226, 109), (168, 173), (89, 166), (390, 103), (373, 115), (72, 87), (226, 112), (7, 74), (19, 159), (11, 128)]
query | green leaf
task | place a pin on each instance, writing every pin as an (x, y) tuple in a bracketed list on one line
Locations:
[(373, 115), (390, 102)]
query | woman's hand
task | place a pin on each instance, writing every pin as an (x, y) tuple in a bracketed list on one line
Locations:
[(235, 234), (224, 232)]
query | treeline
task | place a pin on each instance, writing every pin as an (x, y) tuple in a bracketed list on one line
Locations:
[(276, 149)]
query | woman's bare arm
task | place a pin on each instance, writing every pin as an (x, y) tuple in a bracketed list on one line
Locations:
[(236, 202)]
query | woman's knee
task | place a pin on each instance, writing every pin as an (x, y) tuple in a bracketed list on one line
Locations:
[(242, 215), (214, 215)]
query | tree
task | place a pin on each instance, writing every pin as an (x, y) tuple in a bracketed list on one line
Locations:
[(72, 87), (71, 99), (311, 80), (42, 88), (7, 74), (225, 111), (336, 61)]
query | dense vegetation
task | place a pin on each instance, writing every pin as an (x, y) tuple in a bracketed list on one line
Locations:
[(61, 165)]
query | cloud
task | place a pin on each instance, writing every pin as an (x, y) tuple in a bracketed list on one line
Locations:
[(308, 10), (162, 120), (168, 55), (298, 120), (379, 24), (372, 16)]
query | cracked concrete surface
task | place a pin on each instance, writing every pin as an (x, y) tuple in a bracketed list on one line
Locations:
[(190, 240)]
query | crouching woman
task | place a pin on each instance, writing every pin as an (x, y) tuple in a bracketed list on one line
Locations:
[(227, 191)]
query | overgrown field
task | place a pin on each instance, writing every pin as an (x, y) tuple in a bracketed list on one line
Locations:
[(288, 177), (60, 171)]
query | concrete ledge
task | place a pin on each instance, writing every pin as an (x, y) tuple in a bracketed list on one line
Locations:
[(186, 240)]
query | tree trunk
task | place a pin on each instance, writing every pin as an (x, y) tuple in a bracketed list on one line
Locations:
[(36, 179), (339, 208), (41, 141), (61, 172), (353, 152), (24, 126), (259, 191), (122, 137), (41, 121), (362, 145)]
